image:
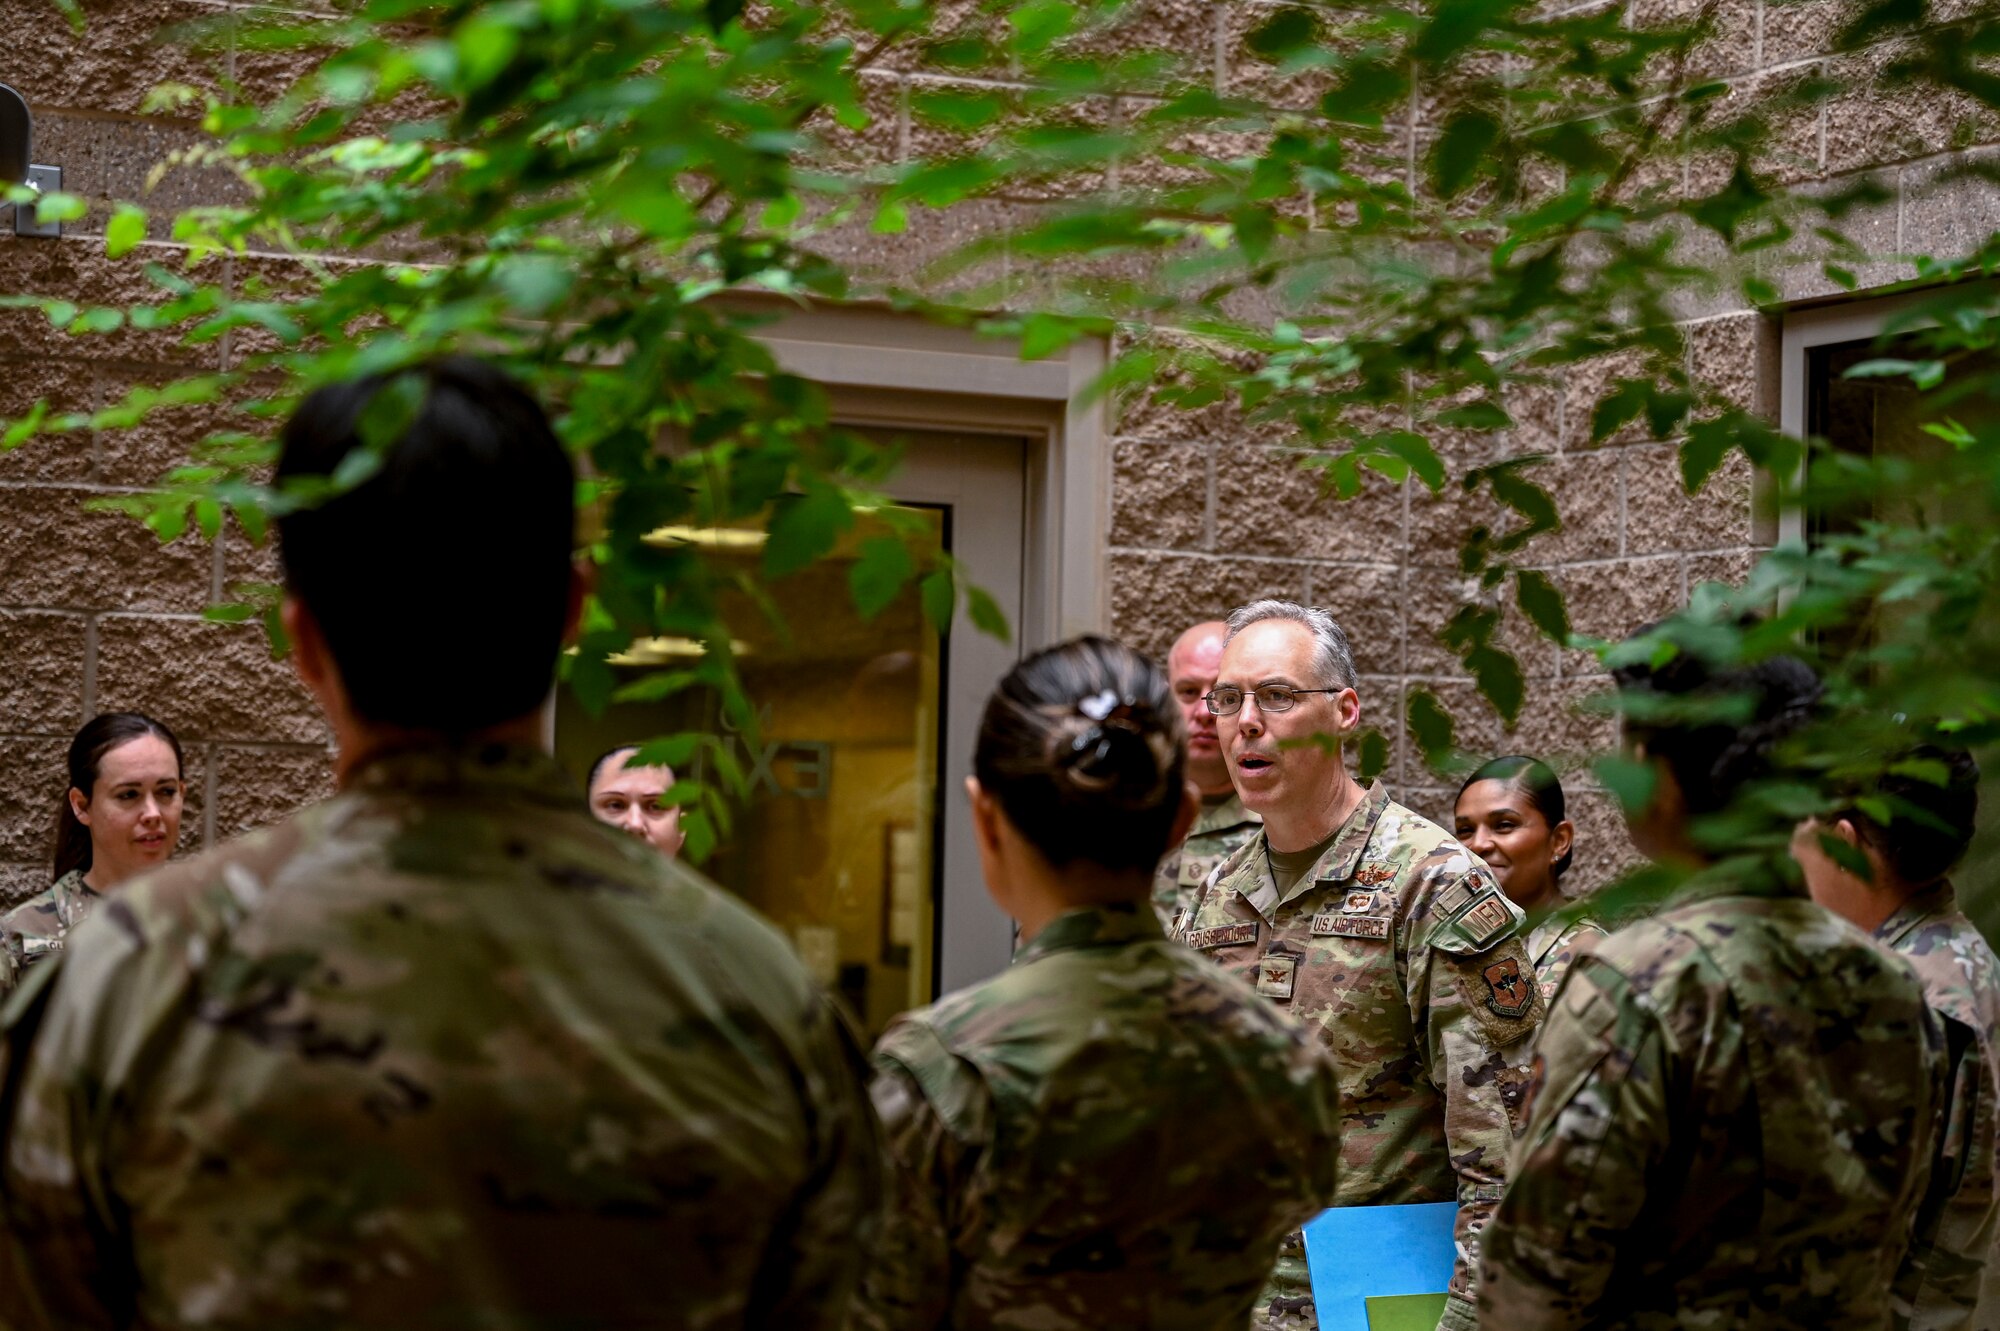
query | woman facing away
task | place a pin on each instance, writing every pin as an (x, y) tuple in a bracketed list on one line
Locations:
[(1732, 1103), (120, 816), (1511, 814), (1112, 1132)]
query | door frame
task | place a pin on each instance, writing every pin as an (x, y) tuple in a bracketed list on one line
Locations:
[(884, 368)]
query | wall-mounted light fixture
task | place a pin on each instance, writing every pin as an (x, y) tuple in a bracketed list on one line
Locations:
[(17, 141)]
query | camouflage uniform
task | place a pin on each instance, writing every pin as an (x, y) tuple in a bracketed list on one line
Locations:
[(1110, 1133), (37, 927), (1555, 942), (1399, 950), (1938, 1288), (1729, 1126), (1215, 836), (441, 1052)]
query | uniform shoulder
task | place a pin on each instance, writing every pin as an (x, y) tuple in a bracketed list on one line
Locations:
[(1958, 968), (32, 915)]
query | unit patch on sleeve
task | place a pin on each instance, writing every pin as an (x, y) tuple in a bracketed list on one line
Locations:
[(1222, 935), (1512, 993)]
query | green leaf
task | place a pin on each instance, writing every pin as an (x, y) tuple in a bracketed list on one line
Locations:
[(24, 429), (1476, 416), (987, 616), (1498, 676), (940, 599), (1372, 755), (1430, 725), (1460, 150), (1542, 602), (384, 421), (721, 13), (1286, 31), (805, 528), (1702, 453), (1632, 782), (124, 231), (1423, 459), (56, 206), (485, 46), (229, 614), (1625, 402), (879, 574)]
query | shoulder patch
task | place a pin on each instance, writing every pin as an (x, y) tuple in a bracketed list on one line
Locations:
[(1499, 993), (1469, 919)]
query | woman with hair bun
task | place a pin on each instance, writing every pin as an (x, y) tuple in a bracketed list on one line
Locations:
[(1112, 1132), (1511, 814), (120, 815)]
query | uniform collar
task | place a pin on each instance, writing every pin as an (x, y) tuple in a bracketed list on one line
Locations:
[(1230, 813), (71, 884), (490, 770), (1933, 901), (1340, 862), (1093, 926)]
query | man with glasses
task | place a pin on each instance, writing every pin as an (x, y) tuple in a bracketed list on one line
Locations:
[(1374, 927), (1223, 823)]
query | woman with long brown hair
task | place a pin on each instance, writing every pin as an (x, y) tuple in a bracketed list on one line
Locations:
[(119, 816)]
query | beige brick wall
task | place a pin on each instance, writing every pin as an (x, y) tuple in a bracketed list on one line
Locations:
[(93, 614)]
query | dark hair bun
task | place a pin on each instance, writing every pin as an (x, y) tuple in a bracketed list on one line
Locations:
[(1081, 745), (1120, 759)]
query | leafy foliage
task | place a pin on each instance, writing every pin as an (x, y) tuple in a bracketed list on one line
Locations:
[(613, 196)]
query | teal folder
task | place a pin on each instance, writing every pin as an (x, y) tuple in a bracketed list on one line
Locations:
[(1373, 1266)]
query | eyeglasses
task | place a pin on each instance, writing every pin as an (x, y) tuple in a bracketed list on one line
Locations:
[(1228, 701)]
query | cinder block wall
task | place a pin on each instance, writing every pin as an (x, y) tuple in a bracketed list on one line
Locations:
[(93, 614)]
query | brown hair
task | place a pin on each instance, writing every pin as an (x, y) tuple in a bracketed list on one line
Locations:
[(99, 736), (1081, 745)]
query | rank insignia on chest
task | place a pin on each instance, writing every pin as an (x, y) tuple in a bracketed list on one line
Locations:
[(1275, 976), (1374, 875), (1512, 993), (1350, 926), (1222, 935)]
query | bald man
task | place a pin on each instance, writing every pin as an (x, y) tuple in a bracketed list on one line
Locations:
[(1224, 824), (628, 798)]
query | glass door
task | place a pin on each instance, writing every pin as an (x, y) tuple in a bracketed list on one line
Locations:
[(855, 839)]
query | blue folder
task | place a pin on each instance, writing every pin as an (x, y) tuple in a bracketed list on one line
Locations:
[(1355, 1253)]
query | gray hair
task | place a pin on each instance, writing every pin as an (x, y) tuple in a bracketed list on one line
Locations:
[(1333, 659)]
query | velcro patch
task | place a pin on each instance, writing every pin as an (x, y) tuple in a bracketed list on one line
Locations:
[(1276, 974), (1350, 926), (1452, 899), (1357, 902), (1486, 922), (1222, 935), (1500, 994)]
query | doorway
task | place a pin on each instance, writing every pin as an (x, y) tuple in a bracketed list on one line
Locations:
[(855, 839)]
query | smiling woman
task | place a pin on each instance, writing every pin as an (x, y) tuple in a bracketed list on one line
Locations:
[(120, 816)]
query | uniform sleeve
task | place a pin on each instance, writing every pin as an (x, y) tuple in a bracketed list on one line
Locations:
[(1596, 1125), (1474, 1012), (934, 1124), (807, 1276), (67, 1261), (1938, 1286)]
